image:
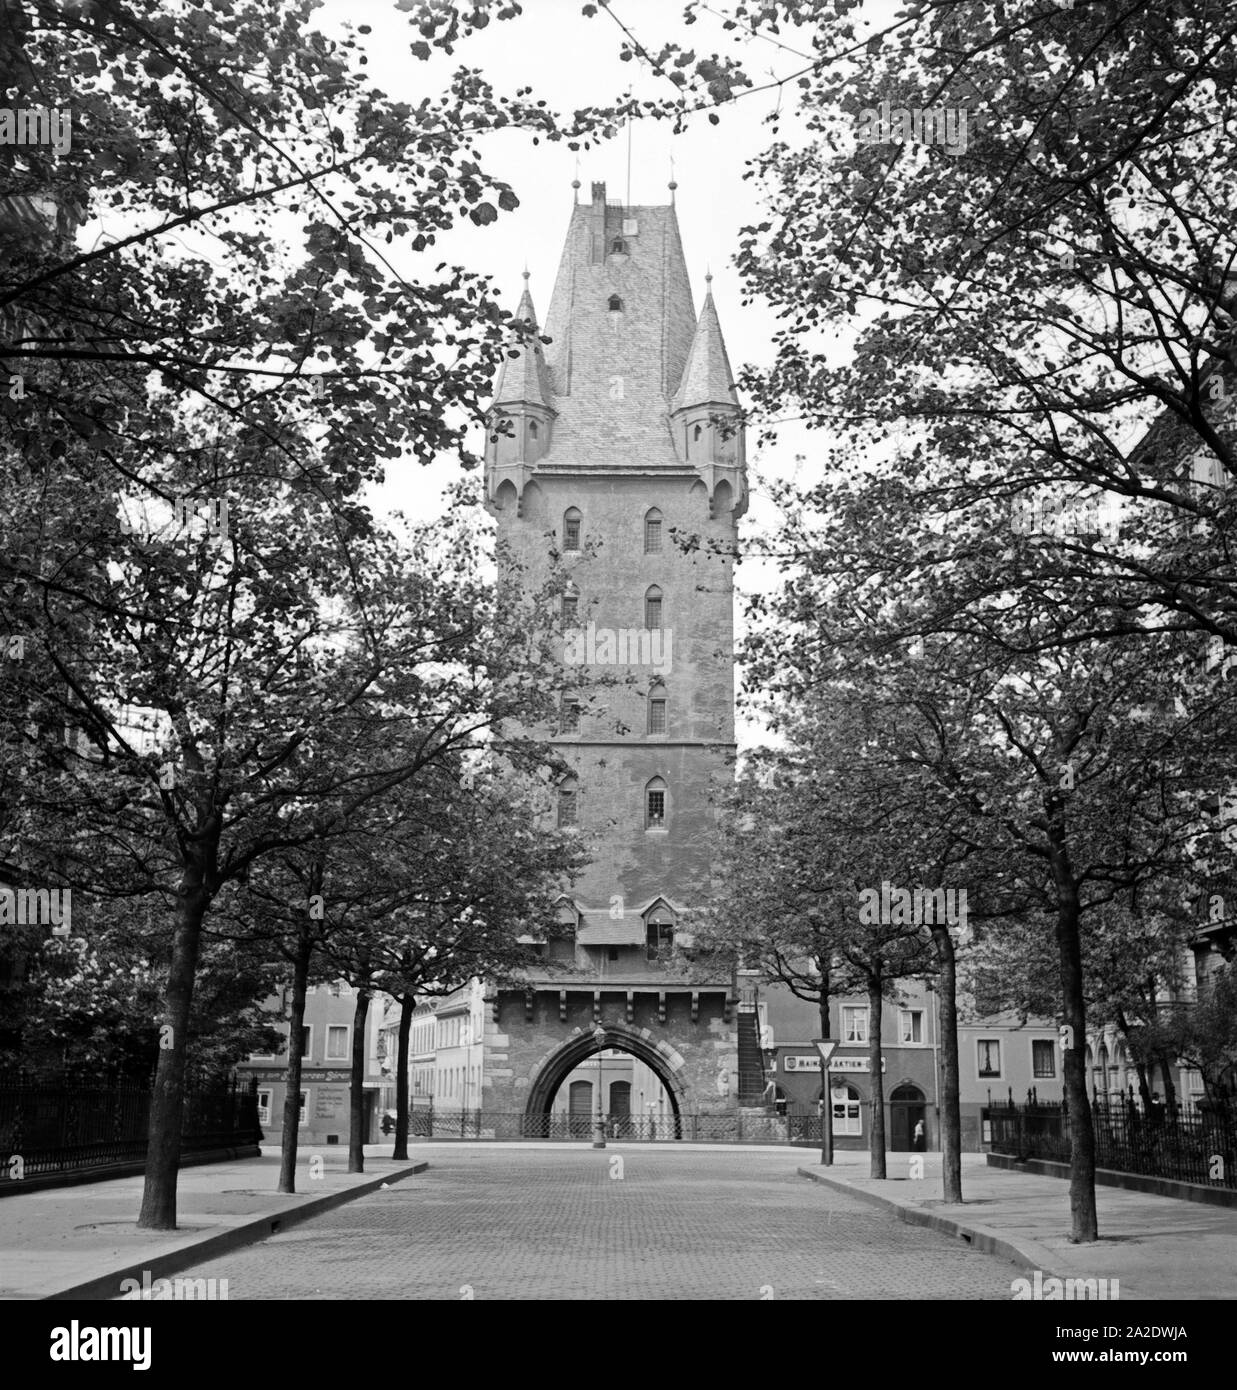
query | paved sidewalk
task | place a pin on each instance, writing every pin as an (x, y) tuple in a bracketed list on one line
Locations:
[(80, 1242), (1158, 1247)]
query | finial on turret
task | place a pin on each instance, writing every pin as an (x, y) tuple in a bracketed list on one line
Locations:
[(708, 276)]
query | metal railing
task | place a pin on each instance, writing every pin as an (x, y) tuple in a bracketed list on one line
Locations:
[(724, 1128), (59, 1124), (1196, 1146)]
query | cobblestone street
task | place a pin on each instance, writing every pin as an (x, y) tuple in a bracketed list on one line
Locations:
[(534, 1223)]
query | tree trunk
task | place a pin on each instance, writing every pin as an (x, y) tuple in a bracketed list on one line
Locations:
[(875, 1012), (296, 1020), (1140, 1068), (823, 1001), (407, 1004), (950, 1107), (167, 1103), (1082, 1132), (356, 1136), (1170, 1089)]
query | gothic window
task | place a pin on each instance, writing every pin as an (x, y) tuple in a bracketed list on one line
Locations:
[(655, 805), (657, 710), (532, 429), (652, 608), (572, 522), (652, 532), (568, 796)]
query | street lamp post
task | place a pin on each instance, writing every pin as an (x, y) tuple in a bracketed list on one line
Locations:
[(826, 1050), (599, 1128)]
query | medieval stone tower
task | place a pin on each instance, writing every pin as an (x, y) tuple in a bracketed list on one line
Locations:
[(622, 431)]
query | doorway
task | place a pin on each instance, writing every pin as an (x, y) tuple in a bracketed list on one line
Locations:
[(907, 1115)]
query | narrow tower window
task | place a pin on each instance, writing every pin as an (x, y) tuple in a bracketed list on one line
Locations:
[(569, 716), (571, 609), (568, 796), (532, 429), (657, 710), (652, 532), (655, 805), (572, 521), (616, 304), (652, 608), (659, 933), (618, 247)]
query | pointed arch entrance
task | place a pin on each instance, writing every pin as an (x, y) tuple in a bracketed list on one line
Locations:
[(558, 1064)]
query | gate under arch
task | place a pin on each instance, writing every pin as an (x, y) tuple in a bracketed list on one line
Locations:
[(559, 1064)]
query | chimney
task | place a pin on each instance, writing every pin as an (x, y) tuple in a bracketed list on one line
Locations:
[(597, 223)]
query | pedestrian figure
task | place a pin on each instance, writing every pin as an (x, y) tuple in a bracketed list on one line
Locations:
[(920, 1136)]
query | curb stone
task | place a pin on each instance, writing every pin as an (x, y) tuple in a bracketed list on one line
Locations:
[(1026, 1254), (258, 1228)]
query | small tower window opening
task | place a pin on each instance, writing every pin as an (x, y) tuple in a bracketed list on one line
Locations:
[(568, 799), (655, 805), (653, 609), (657, 710), (532, 429), (569, 716), (652, 532), (616, 304), (572, 522), (571, 610), (618, 247)]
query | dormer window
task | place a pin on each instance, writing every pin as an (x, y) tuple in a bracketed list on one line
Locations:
[(659, 933), (616, 304), (572, 522)]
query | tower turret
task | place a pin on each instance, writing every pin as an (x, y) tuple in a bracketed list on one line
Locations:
[(706, 418), (521, 417)]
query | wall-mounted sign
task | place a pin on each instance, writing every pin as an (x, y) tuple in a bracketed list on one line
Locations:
[(800, 1063), (852, 1064)]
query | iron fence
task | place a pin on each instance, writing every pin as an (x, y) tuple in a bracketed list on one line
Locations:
[(726, 1128), (52, 1125), (1194, 1146)]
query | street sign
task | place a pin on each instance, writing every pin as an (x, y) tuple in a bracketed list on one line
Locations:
[(826, 1049)]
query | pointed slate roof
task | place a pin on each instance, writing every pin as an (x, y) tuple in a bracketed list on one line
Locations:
[(524, 377), (707, 378)]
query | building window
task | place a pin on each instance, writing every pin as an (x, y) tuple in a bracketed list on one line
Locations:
[(569, 717), (989, 1050), (652, 532), (1043, 1058), (571, 610), (855, 1023), (657, 710), (303, 1117), (568, 809), (618, 247), (616, 304), (655, 804), (612, 954), (847, 1116), (910, 1025), (337, 1043), (652, 608), (659, 937), (572, 521), (532, 429), (264, 1107)]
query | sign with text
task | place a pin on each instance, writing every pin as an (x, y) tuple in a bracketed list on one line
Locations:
[(803, 1062)]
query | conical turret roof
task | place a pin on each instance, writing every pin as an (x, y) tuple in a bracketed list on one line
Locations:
[(523, 377), (707, 378)]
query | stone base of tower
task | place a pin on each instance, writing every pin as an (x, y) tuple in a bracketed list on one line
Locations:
[(535, 1038)]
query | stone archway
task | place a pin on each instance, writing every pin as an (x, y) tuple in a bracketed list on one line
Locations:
[(557, 1064)]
